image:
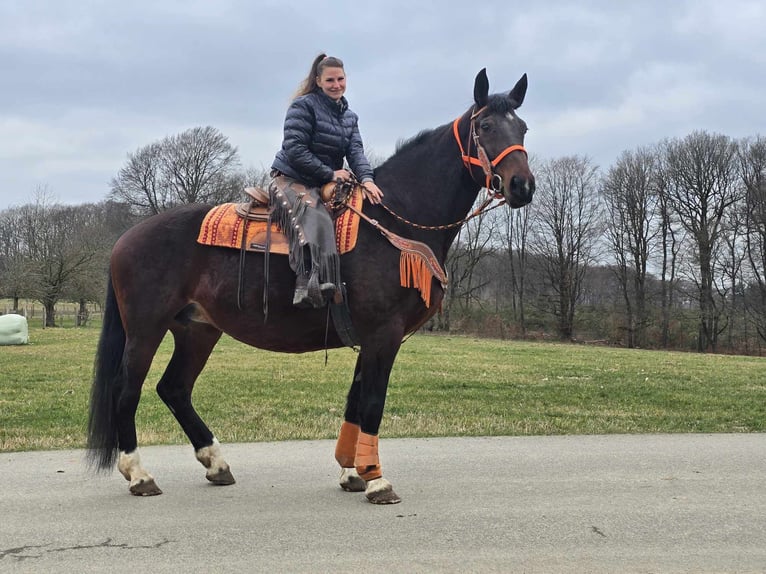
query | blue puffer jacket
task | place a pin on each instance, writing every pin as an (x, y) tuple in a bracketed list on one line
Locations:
[(319, 133)]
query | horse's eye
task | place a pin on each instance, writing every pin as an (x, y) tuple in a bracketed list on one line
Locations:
[(485, 126)]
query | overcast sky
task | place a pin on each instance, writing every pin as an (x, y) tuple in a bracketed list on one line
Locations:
[(84, 83)]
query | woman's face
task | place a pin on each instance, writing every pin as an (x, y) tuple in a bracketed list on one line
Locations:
[(333, 82)]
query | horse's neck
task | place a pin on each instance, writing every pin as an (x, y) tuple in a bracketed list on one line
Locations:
[(429, 185)]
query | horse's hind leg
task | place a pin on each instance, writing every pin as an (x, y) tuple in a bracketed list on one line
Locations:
[(193, 344), (137, 359)]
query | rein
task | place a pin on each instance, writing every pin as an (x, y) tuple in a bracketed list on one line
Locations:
[(479, 211)]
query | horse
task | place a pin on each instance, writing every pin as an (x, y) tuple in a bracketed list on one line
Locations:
[(161, 280)]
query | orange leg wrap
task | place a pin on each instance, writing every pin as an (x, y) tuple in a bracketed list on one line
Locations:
[(367, 461), (345, 448)]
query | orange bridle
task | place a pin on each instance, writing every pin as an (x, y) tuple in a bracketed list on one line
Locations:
[(494, 182)]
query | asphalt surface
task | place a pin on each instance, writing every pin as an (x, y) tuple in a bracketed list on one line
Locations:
[(664, 503)]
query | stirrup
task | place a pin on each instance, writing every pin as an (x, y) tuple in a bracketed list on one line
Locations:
[(301, 297), (302, 300), (308, 292), (328, 291)]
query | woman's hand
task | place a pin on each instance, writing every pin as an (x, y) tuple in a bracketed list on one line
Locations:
[(341, 174), (372, 192)]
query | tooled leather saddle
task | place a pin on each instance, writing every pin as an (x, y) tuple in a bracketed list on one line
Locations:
[(248, 226)]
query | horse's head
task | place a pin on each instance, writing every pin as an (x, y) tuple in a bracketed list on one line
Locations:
[(498, 135)]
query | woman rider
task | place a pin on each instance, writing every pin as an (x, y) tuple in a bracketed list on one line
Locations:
[(320, 131)]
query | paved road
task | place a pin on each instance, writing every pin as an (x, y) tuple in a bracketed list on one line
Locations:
[(667, 503)]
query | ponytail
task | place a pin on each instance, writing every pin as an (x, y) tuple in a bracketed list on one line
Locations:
[(321, 62)]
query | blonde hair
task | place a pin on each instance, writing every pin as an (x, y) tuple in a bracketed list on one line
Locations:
[(321, 62)]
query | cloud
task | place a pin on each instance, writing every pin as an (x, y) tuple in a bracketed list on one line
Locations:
[(658, 100), (733, 29), (86, 83)]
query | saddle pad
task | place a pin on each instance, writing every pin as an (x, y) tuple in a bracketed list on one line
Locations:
[(222, 227), (347, 224)]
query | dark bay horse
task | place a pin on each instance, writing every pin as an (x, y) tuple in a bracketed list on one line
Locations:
[(161, 280)]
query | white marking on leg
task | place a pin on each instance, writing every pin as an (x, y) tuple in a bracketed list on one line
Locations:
[(349, 476), (350, 481), (378, 485), (212, 459), (130, 467)]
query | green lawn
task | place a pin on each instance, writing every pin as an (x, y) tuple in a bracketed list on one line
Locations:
[(440, 386)]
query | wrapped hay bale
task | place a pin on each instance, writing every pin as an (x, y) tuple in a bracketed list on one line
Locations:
[(14, 330)]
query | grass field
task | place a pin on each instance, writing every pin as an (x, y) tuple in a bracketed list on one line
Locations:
[(440, 386)]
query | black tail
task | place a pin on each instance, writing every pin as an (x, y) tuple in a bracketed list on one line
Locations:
[(108, 379)]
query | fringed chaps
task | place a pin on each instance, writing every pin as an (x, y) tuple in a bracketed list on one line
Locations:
[(303, 218)]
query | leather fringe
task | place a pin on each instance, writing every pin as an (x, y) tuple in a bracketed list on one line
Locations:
[(415, 272)]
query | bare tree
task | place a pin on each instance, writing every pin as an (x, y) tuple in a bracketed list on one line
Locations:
[(631, 203), (60, 242), (671, 241), (752, 170), (138, 183), (566, 224), (195, 166), (16, 272), (703, 186), (474, 244), (238, 180), (256, 176), (728, 259), (515, 226), (197, 163), (105, 222)]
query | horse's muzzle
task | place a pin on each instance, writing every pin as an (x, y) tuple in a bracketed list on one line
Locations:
[(519, 191)]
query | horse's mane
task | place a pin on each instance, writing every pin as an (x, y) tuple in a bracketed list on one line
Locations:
[(496, 104), (404, 144)]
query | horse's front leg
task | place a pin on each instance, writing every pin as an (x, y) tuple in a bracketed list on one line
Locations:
[(345, 449), (364, 412)]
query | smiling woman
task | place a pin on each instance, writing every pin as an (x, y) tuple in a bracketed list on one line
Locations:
[(320, 133)]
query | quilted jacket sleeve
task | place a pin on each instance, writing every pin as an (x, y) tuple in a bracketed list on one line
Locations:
[(300, 123), (357, 160)]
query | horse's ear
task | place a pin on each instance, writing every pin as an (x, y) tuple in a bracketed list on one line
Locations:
[(481, 89), (519, 91)]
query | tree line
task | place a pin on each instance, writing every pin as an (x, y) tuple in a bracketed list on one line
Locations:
[(51, 252), (664, 248)]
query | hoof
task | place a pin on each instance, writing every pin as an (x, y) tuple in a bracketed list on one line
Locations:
[(350, 481), (145, 487), (380, 491), (221, 478)]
